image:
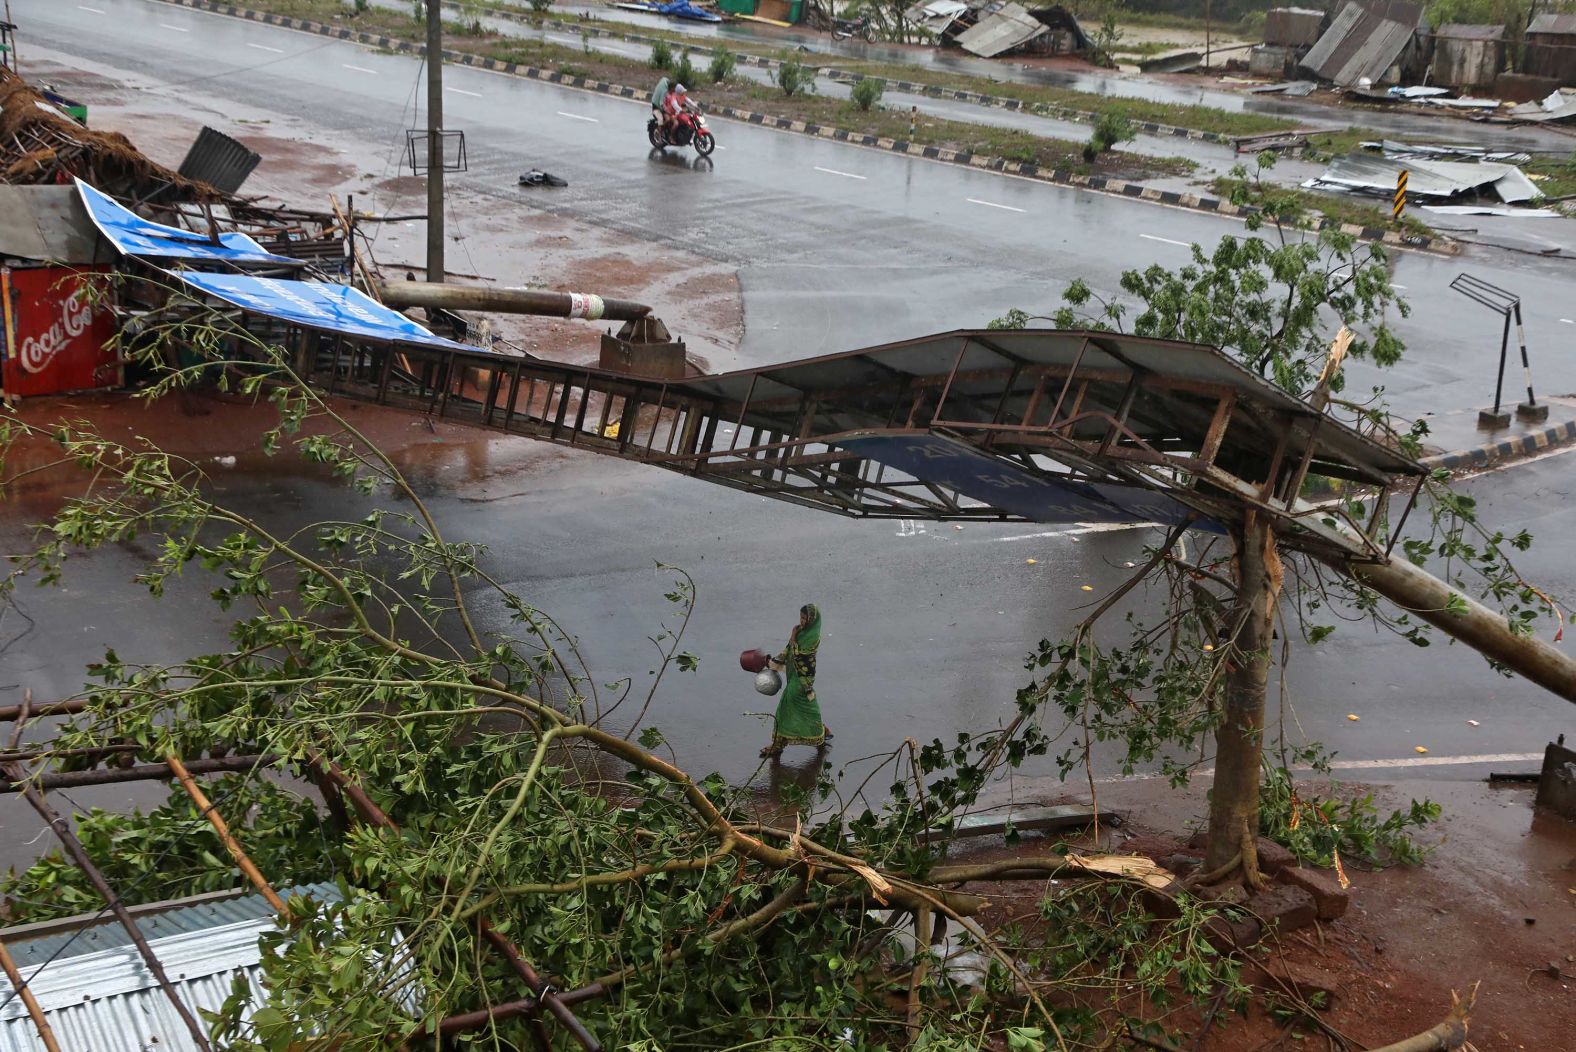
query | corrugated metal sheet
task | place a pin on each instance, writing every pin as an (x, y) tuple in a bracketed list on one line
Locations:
[(1008, 28), (1557, 25), (105, 933), (1363, 42), (49, 224), (100, 997), (1461, 31), (1431, 179), (219, 161)]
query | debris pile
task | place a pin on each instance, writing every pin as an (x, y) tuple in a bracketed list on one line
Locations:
[(989, 28), (1444, 178)]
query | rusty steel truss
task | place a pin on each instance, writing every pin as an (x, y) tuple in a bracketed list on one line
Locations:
[(1031, 425)]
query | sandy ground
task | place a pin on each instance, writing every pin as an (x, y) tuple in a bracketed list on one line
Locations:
[(1495, 905)]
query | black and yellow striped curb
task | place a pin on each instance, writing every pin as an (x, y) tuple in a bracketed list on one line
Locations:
[(1023, 169), (843, 76), (1509, 449)]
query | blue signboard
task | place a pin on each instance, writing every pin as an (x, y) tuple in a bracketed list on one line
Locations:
[(958, 466), (136, 236), (316, 305)]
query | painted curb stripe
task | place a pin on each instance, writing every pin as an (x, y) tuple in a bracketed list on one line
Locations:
[(1054, 176)]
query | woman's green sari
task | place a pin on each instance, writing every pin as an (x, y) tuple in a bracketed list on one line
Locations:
[(798, 718)]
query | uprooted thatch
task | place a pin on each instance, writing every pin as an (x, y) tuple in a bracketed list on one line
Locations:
[(40, 144)]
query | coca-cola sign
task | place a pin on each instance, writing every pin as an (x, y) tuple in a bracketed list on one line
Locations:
[(75, 318), (58, 330)]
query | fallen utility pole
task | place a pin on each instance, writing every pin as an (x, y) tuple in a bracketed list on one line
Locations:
[(400, 294), (1459, 616)]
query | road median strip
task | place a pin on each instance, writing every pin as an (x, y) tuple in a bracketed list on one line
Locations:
[(1525, 445), (1022, 169)]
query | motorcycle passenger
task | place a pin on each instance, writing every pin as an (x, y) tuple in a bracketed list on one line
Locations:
[(674, 106)]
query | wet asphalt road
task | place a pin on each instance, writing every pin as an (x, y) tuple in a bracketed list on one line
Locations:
[(836, 247)]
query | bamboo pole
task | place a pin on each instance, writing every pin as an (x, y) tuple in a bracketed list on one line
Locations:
[(200, 798), (45, 1032), (79, 855)]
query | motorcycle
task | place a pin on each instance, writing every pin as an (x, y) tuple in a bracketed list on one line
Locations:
[(690, 130), (843, 28)]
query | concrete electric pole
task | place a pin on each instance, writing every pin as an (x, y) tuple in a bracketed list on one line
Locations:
[(435, 267)]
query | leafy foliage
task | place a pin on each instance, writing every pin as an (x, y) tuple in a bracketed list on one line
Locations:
[(1109, 130), (723, 63), (794, 77), (173, 851), (867, 91), (661, 55), (1317, 830)]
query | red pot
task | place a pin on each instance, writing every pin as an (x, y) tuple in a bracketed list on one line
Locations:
[(754, 660)]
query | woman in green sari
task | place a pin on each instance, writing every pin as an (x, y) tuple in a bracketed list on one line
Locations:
[(798, 717)]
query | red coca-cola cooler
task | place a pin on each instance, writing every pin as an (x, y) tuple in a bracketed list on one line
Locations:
[(57, 332)]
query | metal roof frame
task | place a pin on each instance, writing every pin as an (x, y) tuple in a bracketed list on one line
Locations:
[(1100, 421)]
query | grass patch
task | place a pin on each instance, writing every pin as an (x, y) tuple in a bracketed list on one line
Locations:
[(1200, 118), (1559, 176), (1355, 210)]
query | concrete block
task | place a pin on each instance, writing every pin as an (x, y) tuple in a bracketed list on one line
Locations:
[(1329, 898), (1283, 908)]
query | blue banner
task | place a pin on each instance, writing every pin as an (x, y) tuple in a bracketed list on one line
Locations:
[(316, 305), (990, 480), (136, 236)]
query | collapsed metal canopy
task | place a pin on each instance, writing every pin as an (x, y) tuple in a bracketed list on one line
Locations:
[(1037, 425)]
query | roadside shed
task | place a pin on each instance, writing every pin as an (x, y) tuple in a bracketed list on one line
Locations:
[(1468, 56), (1550, 49), (1381, 42), (1293, 27)]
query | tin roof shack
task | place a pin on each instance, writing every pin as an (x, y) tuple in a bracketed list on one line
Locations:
[(1003, 28), (1384, 42), (1293, 27), (58, 327), (1550, 49), (1468, 56)]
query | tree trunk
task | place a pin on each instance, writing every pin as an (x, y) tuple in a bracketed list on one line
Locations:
[(1423, 595), (1239, 740)]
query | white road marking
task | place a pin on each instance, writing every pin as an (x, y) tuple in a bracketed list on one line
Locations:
[(265, 47), (95, 10), (993, 204), (617, 51), (561, 40), (462, 91), (359, 69), (1401, 287), (834, 171), (577, 117), (1073, 531), (174, 29), (1375, 765), (1167, 240), (1568, 321)]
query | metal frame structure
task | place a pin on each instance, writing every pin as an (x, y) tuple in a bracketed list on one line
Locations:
[(1506, 304), (1034, 425)]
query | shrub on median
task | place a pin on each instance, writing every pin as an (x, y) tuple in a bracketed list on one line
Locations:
[(866, 91)]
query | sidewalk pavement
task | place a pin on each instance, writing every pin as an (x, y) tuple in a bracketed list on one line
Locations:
[(1455, 442)]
